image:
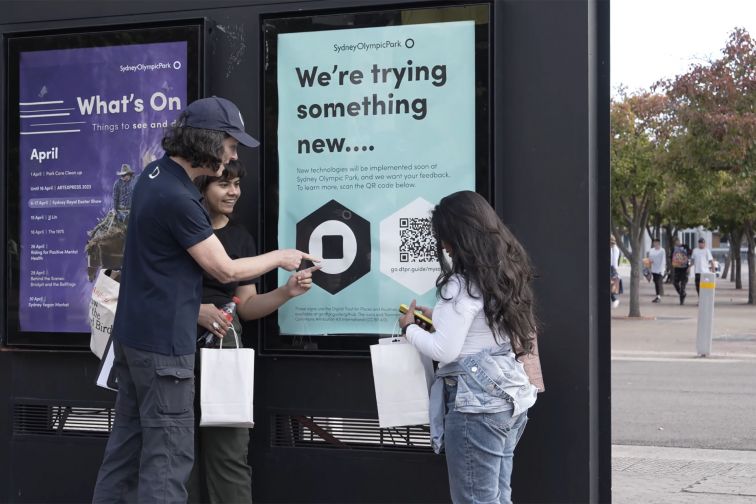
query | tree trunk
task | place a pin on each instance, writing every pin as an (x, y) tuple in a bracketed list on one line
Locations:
[(751, 240), (751, 274), (728, 259), (737, 238), (732, 258), (636, 265), (733, 254)]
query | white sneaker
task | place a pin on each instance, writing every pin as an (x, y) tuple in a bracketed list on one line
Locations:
[(615, 303)]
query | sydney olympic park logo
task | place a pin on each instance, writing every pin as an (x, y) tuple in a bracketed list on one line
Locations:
[(409, 43), (150, 67)]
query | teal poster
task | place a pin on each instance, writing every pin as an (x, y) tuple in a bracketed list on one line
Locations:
[(375, 126)]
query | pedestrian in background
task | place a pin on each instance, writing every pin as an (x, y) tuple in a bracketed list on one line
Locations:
[(703, 262), (658, 257), (680, 269), (616, 281), (483, 320)]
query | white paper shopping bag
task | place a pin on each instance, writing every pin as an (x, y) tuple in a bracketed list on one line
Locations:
[(106, 377), (401, 383), (227, 386), (102, 308)]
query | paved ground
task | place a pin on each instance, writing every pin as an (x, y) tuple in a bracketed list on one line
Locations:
[(673, 328), (684, 427), (651, 475), (688, 403)]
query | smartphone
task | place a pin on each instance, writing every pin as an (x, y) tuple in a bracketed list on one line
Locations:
[(304, 264), (420, 319)]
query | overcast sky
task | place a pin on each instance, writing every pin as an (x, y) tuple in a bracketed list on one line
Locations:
[(654, 39)]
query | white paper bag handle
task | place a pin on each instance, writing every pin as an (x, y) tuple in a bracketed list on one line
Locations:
[(236, 337), (396, 337), (394, 331)]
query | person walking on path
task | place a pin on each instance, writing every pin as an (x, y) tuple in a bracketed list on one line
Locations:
[(680, 269), (616, 282), (169, 241), (658, 258), (703, 262)]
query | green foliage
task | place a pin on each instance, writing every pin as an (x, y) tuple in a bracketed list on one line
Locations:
[(715, 106), (639, 138), (687, 157), (715, 109), (684, 202)]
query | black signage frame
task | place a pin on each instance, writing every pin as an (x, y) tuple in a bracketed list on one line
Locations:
[(191, 31), (270, 341)]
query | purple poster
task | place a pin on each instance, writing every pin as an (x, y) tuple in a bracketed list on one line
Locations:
[(90, 120)]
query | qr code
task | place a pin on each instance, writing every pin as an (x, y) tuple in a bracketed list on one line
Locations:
[(416, 240)]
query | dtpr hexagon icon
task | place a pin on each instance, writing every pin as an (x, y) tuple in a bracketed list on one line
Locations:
[(408, 248), (342, 239)]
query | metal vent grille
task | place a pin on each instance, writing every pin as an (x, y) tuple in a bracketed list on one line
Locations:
[(299, 431), (56, 420)]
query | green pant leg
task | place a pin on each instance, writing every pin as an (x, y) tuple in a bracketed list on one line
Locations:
[(224, 460), (223, 451)]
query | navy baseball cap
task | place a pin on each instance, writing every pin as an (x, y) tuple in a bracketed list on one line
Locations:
[(218, 114)]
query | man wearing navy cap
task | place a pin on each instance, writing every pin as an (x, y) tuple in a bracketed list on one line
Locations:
[(169, 242)]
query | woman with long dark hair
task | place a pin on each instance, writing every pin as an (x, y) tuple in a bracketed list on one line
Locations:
[(483, 322)]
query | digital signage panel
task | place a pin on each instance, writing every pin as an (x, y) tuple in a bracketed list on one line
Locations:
[(89, 113), (375, 126), (370, 119)]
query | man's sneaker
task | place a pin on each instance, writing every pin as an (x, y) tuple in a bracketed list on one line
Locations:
[(656, 299), (682, 298), (615, 303)]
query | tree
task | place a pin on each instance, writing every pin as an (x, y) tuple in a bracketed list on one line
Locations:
[(639, 135), (679, 204), (729, 204), (715, 106)]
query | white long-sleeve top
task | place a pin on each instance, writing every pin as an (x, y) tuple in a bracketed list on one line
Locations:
[(658, 260), (614, 252), (460, 323)]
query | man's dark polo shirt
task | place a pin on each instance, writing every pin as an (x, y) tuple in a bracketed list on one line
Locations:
[(161, 285)]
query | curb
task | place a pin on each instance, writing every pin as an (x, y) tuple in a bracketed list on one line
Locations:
[(680, 356), (688, 454)]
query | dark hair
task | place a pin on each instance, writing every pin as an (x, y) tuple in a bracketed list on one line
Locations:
[(203, 148), (232, 170), (655, 240), (489, 257)]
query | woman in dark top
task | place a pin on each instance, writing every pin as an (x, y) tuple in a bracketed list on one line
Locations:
[(221, 453)]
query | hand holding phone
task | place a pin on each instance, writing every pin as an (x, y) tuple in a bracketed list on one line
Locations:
[(420, 319), (305, 264)]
